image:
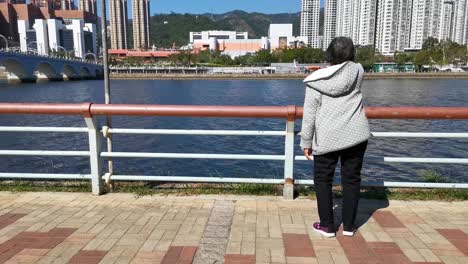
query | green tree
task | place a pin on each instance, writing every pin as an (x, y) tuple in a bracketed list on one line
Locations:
[(422, 58), (263, 57), (366, 56)]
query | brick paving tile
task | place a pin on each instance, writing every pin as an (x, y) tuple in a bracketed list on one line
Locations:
[(358, 251), (33, 240), (49, 228), (88, 257), (8, 219), (239, 259), (457, 237), (179, 255), (297, 245), (387, 220)]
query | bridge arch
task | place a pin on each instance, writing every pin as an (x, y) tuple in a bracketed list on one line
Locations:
[(16, 70), (44, 71), (98, 72), (85, 73), (68, 72)]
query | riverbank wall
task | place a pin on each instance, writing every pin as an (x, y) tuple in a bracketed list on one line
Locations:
[(368, 76)]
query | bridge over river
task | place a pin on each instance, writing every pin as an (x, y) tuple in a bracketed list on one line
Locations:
[(30, 67)]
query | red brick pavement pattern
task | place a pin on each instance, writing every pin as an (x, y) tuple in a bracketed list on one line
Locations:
[(33, 240), (457, 237), (297, 245), (8, 219), (387, 220), (358, 250), (179, 255), (239, 259), (88, 257)]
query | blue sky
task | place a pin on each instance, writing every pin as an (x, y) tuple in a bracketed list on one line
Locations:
[(221, 6), (214, 6)]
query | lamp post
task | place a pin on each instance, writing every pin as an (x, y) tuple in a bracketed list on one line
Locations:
[(94, 56), (107, 96), (27, 45), (64, 50)]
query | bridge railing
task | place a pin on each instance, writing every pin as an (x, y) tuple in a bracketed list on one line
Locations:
[(30, 52), (96, 135)]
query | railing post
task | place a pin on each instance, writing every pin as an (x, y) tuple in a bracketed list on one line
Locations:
[(288, 188), (94, 155)]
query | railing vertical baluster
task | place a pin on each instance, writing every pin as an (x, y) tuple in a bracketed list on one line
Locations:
[(94, 155), (288, 188)]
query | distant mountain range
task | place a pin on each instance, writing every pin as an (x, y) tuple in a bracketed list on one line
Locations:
[(167, 29)]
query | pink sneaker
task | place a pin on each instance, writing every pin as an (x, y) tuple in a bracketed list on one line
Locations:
[(323, 230)]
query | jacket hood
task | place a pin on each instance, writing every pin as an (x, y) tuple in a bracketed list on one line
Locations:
[(335, 80)]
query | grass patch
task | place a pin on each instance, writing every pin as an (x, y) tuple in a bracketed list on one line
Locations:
[(432, 176), (45, 186), (140, 189)]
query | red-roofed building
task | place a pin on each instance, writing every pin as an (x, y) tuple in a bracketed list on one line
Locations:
[(157, 54)]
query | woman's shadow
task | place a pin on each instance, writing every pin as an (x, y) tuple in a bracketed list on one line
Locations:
[(372, 200)]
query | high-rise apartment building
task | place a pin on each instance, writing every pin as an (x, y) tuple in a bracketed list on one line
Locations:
[(347, 19), (88, 6), (356, 20), (446, 20), (367, 16), (387, 26), (459, 23), (141, 21), (420, 22), (118, 23), (404, 24), (466, 24), (310, 13), (329, 30)]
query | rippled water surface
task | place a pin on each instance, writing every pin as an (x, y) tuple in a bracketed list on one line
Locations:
[(236, 92)]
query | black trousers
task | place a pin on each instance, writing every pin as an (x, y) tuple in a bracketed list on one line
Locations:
[(324, 170)]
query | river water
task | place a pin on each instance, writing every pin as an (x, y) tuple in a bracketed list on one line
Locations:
[(230, 92)]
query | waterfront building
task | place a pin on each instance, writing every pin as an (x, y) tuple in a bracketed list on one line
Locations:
[(310, 13), (118, 23), (218, 34), (141, 21), (52, 35), (280, 36), (11, 11), (88, 6), (234, 44), (330, 22)]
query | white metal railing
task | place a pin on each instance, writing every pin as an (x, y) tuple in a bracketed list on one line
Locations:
[(289, 156), (96, 134), (32, 52)]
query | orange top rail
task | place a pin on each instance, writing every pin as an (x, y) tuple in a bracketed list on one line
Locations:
[(287, 112)]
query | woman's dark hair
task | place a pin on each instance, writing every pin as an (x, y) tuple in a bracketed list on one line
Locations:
[(341, 49)]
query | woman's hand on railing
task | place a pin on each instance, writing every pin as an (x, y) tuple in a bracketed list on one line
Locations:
[(308, 153)]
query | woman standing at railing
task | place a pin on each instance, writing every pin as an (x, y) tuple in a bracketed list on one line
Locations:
[(335, 127)]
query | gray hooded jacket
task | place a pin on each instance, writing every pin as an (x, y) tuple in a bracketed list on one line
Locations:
[(334, 118)]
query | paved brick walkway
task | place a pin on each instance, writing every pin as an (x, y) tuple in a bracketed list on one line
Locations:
[(118, 228)]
